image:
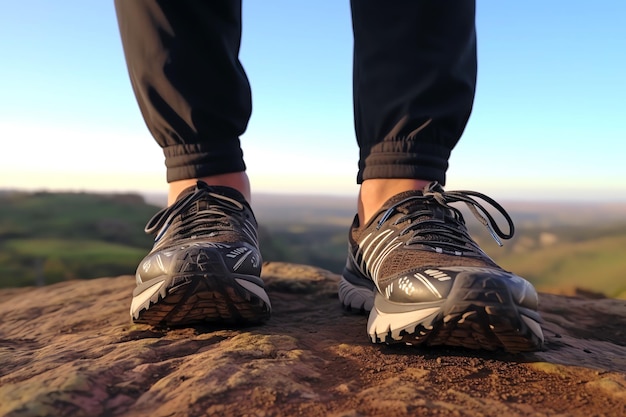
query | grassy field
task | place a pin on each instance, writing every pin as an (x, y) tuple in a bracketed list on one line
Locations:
[(62, 259), (597, 264), (51, 237)]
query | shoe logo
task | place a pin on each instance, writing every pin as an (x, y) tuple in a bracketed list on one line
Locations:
[(406, 285), (243, 253)]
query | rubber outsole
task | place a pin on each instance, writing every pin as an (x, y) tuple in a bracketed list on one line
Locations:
[(354, 297)]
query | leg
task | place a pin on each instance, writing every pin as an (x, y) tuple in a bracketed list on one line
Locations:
[(205, 265), (182, 58), (412, 263), (414, 82)]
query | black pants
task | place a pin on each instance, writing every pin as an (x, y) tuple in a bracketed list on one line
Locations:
[(414, 82)]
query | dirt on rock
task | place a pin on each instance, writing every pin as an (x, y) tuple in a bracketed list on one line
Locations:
[(70, 350)]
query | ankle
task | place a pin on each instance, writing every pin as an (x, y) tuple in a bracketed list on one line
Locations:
[(375, 192), (237, 180)]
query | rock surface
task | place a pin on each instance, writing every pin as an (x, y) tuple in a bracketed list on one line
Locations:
[(70, 350)]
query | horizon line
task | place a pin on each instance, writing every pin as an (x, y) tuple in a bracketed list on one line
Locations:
[(153, 195)]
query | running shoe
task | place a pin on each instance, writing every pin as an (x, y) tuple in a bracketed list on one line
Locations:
[(425, 281), (205, 265)]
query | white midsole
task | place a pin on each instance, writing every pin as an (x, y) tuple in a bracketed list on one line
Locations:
[(381, 324), (140, 300), (255, 289), (534, 326)]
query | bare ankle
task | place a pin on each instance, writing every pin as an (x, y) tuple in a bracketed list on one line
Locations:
[(237, 180), (375, 192)]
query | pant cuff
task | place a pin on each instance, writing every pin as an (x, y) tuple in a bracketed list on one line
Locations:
[(189, 161)]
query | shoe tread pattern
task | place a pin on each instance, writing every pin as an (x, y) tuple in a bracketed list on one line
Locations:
[(204, 291)]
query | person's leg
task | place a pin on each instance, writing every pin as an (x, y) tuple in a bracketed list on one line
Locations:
[(412, 262), (414, 83), (205, 266), (182, 58)]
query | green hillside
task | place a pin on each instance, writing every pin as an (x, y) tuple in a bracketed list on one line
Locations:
[(51, 237), (596, 263)]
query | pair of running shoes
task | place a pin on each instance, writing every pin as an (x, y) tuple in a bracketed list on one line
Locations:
[(413, 267)]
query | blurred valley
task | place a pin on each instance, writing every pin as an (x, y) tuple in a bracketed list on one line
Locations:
[(50, 237)]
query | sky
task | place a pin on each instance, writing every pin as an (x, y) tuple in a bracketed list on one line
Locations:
[(549, 118)]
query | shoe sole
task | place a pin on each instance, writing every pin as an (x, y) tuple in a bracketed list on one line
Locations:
[(354, 297), (206, 292), (479, 313)]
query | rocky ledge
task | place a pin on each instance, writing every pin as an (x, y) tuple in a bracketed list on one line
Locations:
[(70, 350)]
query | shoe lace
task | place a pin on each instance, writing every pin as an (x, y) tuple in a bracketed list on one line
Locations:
[(211, 220), (420, 211)]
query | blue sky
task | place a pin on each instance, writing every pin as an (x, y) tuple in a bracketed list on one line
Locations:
[(549, 119)]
